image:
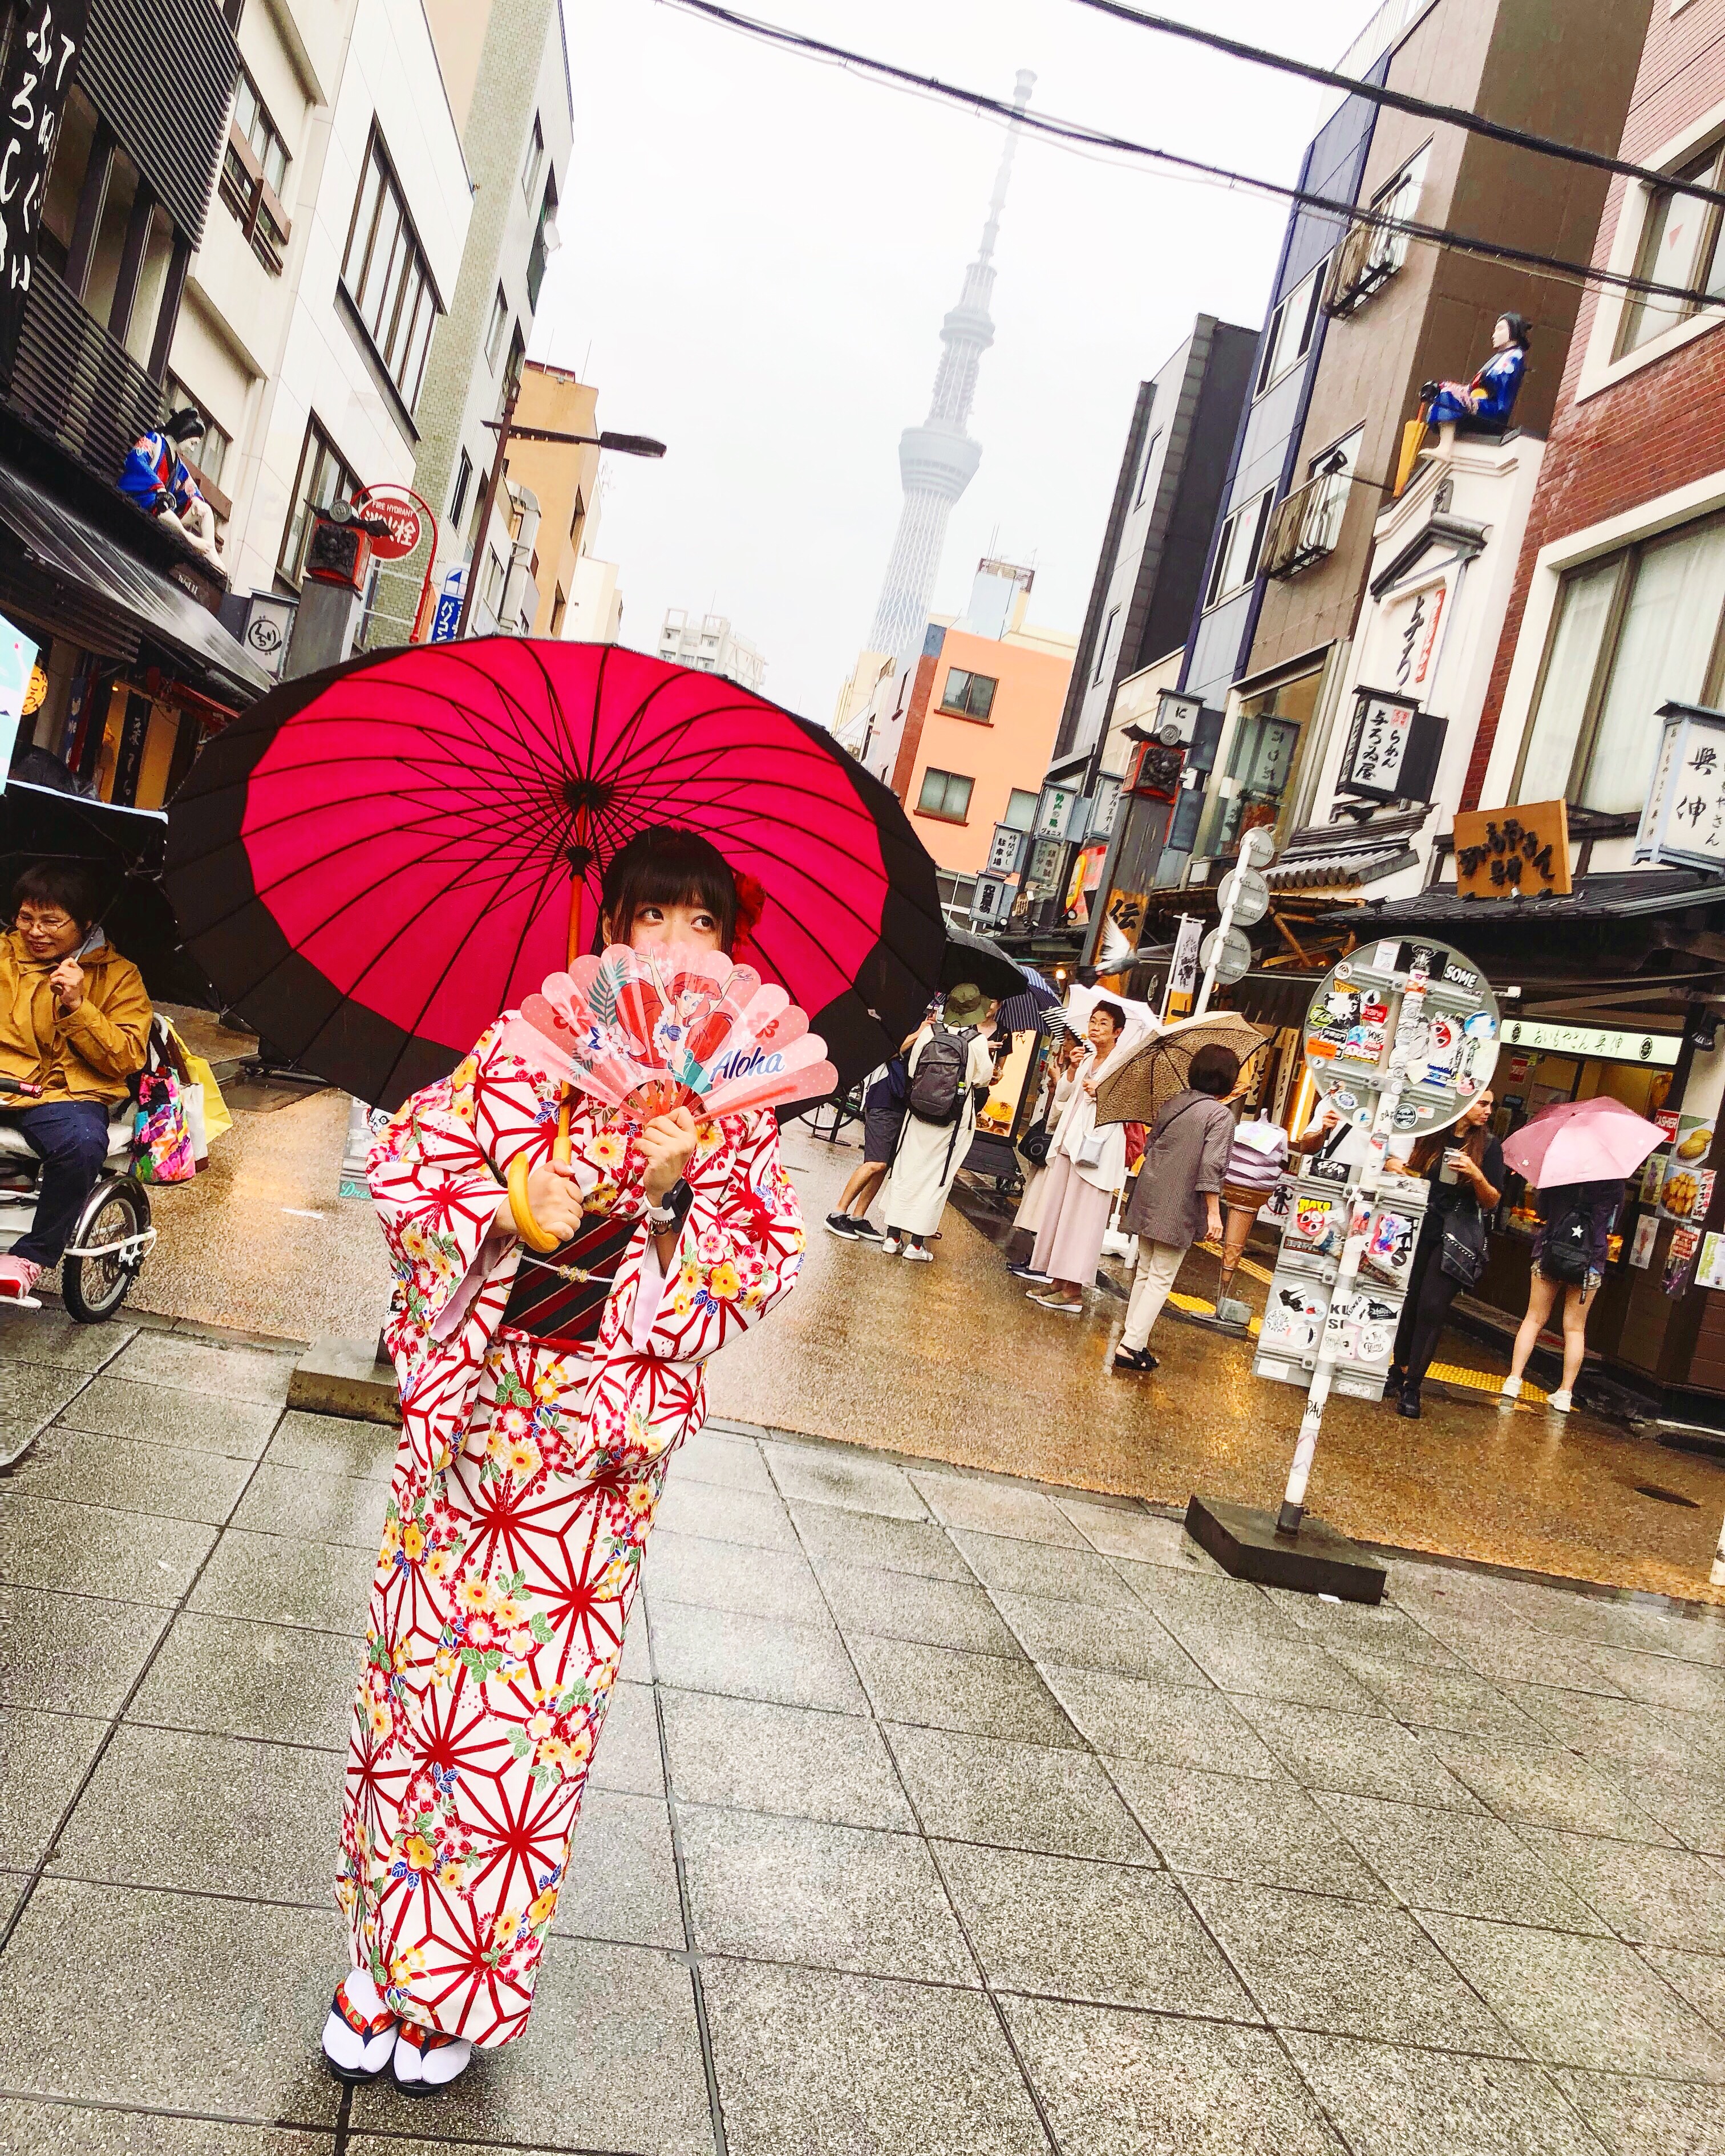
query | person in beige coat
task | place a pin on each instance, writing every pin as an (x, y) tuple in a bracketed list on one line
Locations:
[(1179, 1195)]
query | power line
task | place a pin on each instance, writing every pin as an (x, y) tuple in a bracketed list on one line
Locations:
[(1401, 100), (1076, 134)]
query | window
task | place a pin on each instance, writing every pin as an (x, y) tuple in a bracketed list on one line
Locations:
[(1258, 789), (1630, 631), (580, 512), (1144, 468), (970, 695), (1104, 645), (253, 176), (1680, 246), (491, 589), (210, 464), (1237, 553), (324, 476), (385, 279), (1291, 329), (458, 499), (559, 605), (494, 328), (534, 161), (544, 238), (517, 360), (945, 794), (1020, 809), (1370, 255)]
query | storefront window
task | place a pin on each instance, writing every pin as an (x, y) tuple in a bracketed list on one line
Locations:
[(1257, 789), (1632, 632)]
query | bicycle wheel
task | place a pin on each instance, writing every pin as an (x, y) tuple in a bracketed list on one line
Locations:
[(93, 1288)]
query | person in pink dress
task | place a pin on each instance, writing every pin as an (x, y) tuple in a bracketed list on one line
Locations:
[(543, 1392)]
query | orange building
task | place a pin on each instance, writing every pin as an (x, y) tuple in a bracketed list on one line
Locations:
[(979, 715)]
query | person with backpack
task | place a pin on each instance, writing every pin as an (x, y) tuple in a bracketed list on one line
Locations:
[(1568, 1256), (1086, 1166), (947, 1068)]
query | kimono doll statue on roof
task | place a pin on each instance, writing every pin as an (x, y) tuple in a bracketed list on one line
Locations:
[(1487, 402), (588, 1207)]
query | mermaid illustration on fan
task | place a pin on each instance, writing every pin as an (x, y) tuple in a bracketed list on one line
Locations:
[(589, 1206), (1489, 399)]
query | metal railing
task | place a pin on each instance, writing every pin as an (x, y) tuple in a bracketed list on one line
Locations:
[(77, 381), (1306, 525)]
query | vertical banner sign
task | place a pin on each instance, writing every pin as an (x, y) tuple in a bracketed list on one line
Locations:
[(33, 95)]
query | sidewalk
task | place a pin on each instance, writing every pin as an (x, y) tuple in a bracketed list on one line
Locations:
[(937, 1815)]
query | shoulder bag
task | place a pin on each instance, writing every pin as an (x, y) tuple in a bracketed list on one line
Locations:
[(1463, 1255)]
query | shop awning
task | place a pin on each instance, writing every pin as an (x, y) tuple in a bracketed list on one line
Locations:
[(105, 587), (1624, 895)]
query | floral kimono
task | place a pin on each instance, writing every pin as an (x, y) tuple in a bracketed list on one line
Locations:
[(525, 1485)]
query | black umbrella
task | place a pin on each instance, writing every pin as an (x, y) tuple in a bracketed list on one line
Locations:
[(970, 957), (121, 849)]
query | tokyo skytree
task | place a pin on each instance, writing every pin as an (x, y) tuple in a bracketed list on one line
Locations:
[(937, 460)]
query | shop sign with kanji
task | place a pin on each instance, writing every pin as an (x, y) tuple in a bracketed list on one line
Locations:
[(1392, 749), (1684, 821), (1521, 852)]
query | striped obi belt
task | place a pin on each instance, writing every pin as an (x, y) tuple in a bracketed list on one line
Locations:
[(560, 1299)]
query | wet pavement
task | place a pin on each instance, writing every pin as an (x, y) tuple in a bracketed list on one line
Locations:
[(937, 1814), (950, 1362)]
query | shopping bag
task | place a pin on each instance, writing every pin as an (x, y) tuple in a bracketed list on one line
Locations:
[(216, 1116), (162, 1138)]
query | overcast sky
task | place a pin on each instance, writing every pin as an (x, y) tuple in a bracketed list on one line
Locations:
[(759, 250)]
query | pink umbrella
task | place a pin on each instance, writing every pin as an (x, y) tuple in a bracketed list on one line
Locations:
[(1597, 1141), (374, 861)]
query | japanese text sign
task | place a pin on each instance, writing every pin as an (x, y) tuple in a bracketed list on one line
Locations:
[(1684, 821), (1503, 852), (39, 70)]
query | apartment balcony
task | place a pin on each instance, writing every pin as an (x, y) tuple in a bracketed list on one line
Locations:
[(78, 382), (1306, 525)]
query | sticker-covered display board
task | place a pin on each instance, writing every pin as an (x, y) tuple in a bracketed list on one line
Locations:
[(1352, 1030)]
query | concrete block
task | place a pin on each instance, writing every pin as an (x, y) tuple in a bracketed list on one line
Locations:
[(341, 1377)]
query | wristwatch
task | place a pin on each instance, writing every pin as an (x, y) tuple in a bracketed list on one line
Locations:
[(672, 1213)]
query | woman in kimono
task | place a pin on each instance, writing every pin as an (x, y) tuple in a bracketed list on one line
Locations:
[(549, 1329), (1489, 397)]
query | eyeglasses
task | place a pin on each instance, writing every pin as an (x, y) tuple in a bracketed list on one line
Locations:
[(50, 924)]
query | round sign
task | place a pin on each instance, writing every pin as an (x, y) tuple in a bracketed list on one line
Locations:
[(1257, 847), (1232, 953), (1355, 1020), (1247, 892), (402, 517)]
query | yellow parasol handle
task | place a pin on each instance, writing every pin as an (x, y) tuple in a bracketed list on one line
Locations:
[(525, 1226)]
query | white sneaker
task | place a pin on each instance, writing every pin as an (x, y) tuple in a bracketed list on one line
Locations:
[(1560, 1402), (425, 2060), (919, 1254), (359, 2037), (1511, 1389), (892, 1245)]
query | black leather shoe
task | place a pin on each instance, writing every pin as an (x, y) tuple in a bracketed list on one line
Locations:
[(1409, 1405)]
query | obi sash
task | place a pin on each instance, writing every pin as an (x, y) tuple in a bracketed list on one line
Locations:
[(564, 1312)]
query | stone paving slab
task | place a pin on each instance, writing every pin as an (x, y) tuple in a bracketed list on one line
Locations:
[(992, 1822)]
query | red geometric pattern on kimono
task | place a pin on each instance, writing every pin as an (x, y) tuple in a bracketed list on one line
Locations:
[(526, 1482)]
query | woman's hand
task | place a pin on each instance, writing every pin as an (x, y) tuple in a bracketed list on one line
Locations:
[(667, 1145), (553, 1198), (1212, 1219)]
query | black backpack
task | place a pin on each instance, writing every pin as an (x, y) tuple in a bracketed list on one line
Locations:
[(1568, 1248), (937, 1094)]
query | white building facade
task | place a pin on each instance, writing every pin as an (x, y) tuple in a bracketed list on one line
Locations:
[(327, 266), (708, 642)]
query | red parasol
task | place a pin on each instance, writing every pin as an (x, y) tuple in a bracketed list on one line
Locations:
[(376, 860)]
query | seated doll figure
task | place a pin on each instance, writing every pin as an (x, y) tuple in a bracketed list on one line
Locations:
[(155, 476), (1489, 399)]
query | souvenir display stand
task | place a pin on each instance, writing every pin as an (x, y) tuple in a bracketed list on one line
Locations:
[(1399, 1038)]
